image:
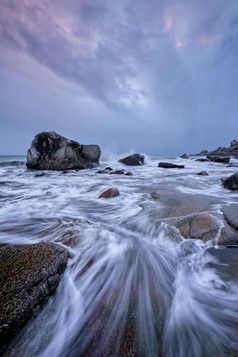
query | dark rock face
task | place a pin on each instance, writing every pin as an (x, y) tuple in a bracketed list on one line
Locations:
[(111, 192), (168, 165), (202, 160), (223, 160), (184, 156), (29, 275), (231, 215), (51, 151), (231, 182), (221, 151), (133, 160)]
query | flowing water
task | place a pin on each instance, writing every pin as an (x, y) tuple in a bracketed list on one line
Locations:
[(133, 285)]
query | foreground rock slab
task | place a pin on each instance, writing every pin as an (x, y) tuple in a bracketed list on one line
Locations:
[(51, 151), (29, 275), (133, 160), (231, 215)]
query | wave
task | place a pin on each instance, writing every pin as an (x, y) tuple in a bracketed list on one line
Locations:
[(11, 163)]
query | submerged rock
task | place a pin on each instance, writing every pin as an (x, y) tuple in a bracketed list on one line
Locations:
[(129, 173), (111, 192), (29, 275), (168, 165), (231, 182), (51, 151), (202, 160), (133, 160), (117, 172)]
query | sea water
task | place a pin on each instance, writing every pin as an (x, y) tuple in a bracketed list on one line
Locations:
[(133, 285)]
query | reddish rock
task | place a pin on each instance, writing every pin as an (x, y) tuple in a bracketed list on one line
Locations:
[(39, 175), (111, 192), (202, 173), (117, 172), (108, 168), (102, 172), (129, 173), (65, 172)]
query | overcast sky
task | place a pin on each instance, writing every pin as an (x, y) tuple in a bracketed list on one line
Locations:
[(150, 76)]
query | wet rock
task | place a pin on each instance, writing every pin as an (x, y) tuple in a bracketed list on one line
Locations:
[(133, 160), (231, 215), (111, 192), (202, 160), (29, 275), (40, 175), (184, 156), (168, 165), (199, 226), (65, 172), (223, 160), (51, 151), (108, 168), (231, 182), (155, 195), (117, 172), (232, 165), (102, 172), (229, 259), (129, 173), (202, 173)]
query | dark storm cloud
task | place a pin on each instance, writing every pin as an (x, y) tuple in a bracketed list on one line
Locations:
[(172, 64)]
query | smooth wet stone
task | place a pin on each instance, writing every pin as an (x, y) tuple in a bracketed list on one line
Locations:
[(168, 165), (108, 168), (202, 173), (102, 172), (111, 192), (231, 215), (231, 182), (129, 173), (40, 175), (202, 160), (29, 275), (133, 160), (228, 257), (51, 151)]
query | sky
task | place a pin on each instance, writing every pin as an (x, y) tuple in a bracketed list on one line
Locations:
[(158, 77)]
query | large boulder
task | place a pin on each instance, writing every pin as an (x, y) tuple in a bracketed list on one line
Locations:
[(51, 151), (231, 182), (133, 160), (29, 275)]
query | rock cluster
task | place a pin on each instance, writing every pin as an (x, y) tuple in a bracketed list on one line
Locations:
[(29, 275), (51, 151), (222, 151)]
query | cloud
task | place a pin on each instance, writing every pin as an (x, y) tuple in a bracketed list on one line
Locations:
[(167, 63)]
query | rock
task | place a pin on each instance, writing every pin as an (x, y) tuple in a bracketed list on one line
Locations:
[(199, 226), (117, 172), (168, 165), (155, 195), (184, 156), (133, 160), (231, 215), (111, 192), (231, 182), (108, 168), (222, 151), (65, 172), (202, 160), (232, 165), (129, 173), (102, 172), (223, 160), (51, 151), (29, 275), (202, 173), (40, 175)]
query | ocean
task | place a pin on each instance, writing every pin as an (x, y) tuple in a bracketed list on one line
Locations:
[(134, 286)]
